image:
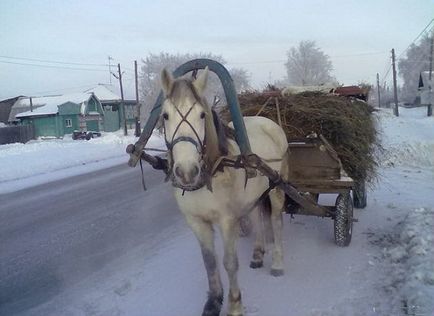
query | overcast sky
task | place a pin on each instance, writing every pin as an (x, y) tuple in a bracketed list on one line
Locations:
[(357, 35)]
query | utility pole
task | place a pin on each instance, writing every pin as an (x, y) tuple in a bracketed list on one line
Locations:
[(110, 69), (124, 123), (395, 89), (31, 104), (378, 90), (429, 111), (136, 77)]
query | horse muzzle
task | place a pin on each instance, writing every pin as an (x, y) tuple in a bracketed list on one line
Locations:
[(187, 177)]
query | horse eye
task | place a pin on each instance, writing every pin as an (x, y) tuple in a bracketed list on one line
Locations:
[(202, 115), (165, 116)]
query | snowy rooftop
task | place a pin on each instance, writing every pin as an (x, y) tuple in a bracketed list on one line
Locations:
[(103, 93), (47, 105)]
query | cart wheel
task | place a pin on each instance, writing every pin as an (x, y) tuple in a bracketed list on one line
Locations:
[(88, 136), (343, 219), (359, 194)]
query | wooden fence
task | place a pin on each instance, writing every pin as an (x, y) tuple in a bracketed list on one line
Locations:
[(16, 134)]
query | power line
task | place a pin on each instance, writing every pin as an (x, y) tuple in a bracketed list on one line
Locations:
[(50, 66), (359, 54), (64, 89), (257, 62), (53, 61), (420, 34), (285, 60), (387, 69), (417, 37), (418, 61), (387, 73)]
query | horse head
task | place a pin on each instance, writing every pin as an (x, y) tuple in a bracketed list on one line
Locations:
[(189, 130)]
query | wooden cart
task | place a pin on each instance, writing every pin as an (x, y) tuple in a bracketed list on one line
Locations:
[(315, 168)]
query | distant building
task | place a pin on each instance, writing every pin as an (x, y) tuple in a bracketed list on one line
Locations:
[(5, 109), (424, 87), (60, 115), (97, 109)]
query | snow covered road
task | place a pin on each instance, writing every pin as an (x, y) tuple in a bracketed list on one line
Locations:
[(140, 260), (143, 259), (56, 235)]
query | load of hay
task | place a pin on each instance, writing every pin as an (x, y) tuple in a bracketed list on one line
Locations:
[(348, 124)]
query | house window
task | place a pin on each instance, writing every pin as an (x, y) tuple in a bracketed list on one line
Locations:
[(68, 123)]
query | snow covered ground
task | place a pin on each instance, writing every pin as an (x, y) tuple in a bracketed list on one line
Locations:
[(44, 160), (387, 269)]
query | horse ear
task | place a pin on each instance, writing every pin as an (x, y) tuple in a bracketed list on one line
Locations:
[(166, 81), (201, 81)]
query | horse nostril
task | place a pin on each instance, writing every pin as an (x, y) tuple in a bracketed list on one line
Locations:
[(178, 172), (194, 171)]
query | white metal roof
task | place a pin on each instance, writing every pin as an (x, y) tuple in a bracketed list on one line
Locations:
[(103, 93), (49, 105)]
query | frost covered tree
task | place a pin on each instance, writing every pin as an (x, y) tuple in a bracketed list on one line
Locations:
[(153, 64), (410, 67), (308, 65)]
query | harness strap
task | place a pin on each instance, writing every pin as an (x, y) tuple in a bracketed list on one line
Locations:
[(181, 139), (143, 176), (174, 140)]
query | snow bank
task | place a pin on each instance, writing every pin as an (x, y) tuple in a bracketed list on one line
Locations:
[(45, 160), (409, 138), (408, 262)]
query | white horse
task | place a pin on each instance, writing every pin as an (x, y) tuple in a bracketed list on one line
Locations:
[(220, 199)]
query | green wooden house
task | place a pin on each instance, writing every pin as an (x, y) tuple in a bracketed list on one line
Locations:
[(60, 115), (114, 108)]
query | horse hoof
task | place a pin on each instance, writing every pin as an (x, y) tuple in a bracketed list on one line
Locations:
[(256, 264), (277, 272), (214, 312), (213, 306), (211, 313)]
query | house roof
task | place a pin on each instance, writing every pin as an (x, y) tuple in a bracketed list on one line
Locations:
[(5, 108), (424, 79), (48, 105), (103, 93)]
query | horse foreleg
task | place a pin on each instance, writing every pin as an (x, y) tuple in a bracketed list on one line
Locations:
[(205, 235), (230, 261), (277, 198), (259, 246)]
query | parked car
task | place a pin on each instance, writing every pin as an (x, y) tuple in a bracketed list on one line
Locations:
[(85, 135)]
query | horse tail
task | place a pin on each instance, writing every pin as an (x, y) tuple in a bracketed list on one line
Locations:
[(266, 220), (285, 167)]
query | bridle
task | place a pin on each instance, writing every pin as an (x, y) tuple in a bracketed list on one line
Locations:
[(198, 144)]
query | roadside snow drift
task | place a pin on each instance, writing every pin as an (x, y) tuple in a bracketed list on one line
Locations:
[(409, 138), (44, 160)]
